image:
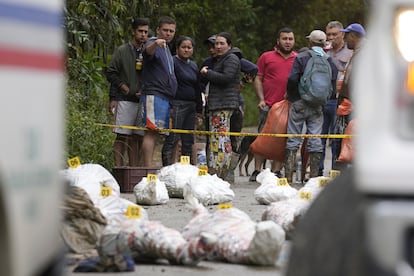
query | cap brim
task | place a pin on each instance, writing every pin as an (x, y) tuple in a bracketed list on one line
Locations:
[(344, 30)]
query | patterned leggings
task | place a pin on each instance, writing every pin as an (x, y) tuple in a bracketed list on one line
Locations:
[(219, 148)]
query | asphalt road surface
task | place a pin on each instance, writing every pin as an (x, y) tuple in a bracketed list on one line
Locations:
[(175, 214)]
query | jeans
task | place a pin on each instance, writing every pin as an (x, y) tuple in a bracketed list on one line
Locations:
[(328, 127), (183, 117), (300, 114)]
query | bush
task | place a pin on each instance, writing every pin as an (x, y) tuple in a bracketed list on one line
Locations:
[(86, 105)]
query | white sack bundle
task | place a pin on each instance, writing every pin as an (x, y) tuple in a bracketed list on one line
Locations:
[(238, 239), (269, 191), (115, 208), (210, 189), (146, 240), (288, 212), (91, 178), (176, 176), (313, 187), (151, 192)]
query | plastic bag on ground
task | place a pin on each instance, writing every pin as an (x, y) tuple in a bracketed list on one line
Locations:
[(151, 192), (146, 240), (269, 191), (287, 213), (210, 189), (176, 176), (91, 178), (115, 209), (238, 239)]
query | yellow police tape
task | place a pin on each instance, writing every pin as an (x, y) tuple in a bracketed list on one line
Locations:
[(206, 132)]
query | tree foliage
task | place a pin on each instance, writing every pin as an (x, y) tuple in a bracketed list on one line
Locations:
[(95, 27)]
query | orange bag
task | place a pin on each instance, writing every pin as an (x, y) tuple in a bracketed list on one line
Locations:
[(344, 108), (347, 150), (273, 148)]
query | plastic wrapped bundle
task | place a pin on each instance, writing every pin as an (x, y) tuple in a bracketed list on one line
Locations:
[(313, 187), (238, 239), (176, 176), (270, 191), (115, 208), (210, 189), (288, 212), (151, 192), (91, 178), (150, 240)]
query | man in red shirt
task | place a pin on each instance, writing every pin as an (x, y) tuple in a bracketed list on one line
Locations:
[(270, 85)]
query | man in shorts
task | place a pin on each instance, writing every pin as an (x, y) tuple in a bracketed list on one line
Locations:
[(125, 75), (160, 85)]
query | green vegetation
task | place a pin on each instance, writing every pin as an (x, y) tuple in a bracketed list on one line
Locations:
[(95, 28)]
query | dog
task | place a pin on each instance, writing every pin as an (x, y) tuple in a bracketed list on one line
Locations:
[(245, 152)]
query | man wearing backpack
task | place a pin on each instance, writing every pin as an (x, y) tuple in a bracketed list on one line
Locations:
[(311, 83)]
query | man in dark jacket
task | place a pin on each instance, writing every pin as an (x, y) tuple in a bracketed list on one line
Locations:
[(124, 74)]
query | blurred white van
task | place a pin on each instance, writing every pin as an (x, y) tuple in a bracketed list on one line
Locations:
[(32, 82)]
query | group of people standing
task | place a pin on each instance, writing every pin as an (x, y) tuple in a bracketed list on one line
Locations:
[(151, 88), (279, 76)]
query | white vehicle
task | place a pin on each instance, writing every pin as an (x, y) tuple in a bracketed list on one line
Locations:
[(32, 141), (363, 224)]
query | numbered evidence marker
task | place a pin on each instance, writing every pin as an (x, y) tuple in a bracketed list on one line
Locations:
[(202, 172), (305, 195), (282, 182), (323, 181), (223, 206), (106, 191), (133, 212), (185, 160), (151, 177), (334, 173), (74, 162)]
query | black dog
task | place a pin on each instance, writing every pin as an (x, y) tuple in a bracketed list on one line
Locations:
[(244, 151)]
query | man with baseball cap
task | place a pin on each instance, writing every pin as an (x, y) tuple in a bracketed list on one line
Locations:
[(301, 112), (354, 36)]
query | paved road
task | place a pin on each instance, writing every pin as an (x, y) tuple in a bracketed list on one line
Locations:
[(174, 214)]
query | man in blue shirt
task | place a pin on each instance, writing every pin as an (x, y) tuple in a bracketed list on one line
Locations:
[(160, 85)]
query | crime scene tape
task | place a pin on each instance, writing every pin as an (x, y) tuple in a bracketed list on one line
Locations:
[(206, 132)]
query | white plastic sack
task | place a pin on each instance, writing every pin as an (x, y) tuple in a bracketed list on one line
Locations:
[(266, 173), (115, 208), (286, 213), (238, 239), (176, 176), (312, 188), (150, 192), (269, 191), (91, 178), (210, 189), (150, 240)]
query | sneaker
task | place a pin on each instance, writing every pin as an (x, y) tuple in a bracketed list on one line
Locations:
[(278, 174), (253, 176)]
